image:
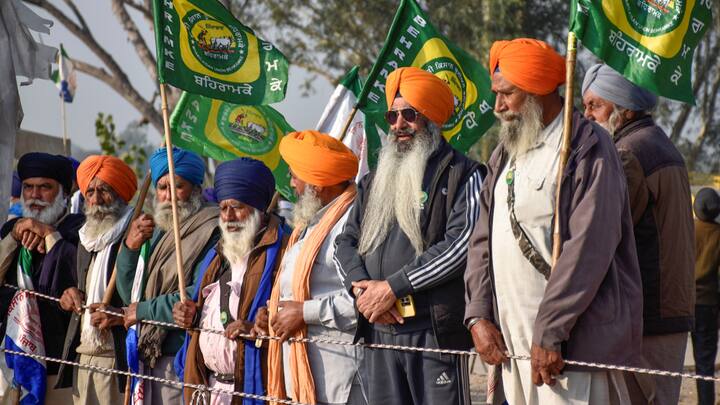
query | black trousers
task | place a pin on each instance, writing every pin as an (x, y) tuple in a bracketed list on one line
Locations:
[(704, 340), (402, 377)]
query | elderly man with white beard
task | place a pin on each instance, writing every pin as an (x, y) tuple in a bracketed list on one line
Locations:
[(403, 250), (154, 275), (588, 306), (235, 285), (48, 236), (107, 185)]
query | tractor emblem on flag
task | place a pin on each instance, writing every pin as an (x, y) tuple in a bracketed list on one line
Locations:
[(654, 17), (247, 129), (217, 46)]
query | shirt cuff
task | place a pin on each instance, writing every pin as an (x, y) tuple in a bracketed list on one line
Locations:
[(142, 311), (311, 312), (400, 284), (478, 310), (51, 239)]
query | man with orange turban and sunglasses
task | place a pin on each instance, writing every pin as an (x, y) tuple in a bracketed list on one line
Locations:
[(403, 250)]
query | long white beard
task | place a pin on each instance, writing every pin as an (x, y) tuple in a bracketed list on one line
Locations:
[(520, 131), (51, 211), (237, 244), (163, 210), (101, 218), (395, 192), (613, 122), (307, 206)]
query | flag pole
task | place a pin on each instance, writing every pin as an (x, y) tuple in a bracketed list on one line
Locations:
[(570, 59), (348, 122), (173, 194), (63, 118)]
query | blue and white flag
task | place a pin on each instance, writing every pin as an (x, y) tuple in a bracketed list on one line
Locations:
[(24, 334), (137, 387), (65, 78)]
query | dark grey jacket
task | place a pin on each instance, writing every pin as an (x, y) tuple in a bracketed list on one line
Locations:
[(592, 308), (434, 279)]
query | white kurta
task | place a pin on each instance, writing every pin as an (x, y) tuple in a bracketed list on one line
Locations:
[(520, 287)]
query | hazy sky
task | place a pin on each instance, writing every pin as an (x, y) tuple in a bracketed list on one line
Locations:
[(41, 102)]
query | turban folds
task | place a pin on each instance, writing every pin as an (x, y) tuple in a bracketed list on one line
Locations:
[(427, 93), (613, 87), (246, 180), (113, 171), (317, 158), (188, 165), (38, 164), (529, 64)]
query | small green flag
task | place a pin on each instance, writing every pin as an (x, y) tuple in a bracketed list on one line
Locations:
[(225, 131), (203, 49), (651, 42), (413, 41)]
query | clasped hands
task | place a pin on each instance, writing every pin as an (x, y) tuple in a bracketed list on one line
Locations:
[(376, 302), (31, 233)]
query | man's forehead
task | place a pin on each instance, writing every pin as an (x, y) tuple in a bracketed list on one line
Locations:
[(500, 83), (400, 103), (40, 180), (590, 96), (97, 182), (165, 180)]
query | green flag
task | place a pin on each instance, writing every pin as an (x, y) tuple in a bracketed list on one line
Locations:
[(225, 131), (413, 41), (203, 49), (651, 42)]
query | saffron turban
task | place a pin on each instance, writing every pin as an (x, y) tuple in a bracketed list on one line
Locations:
[(188, 165), (113, 171), (613, 87), (38, 164), (246, 180), (317, 158), (529, 64), (427, 93)]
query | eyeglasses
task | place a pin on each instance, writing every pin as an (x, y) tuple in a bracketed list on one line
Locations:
[(408, 114)]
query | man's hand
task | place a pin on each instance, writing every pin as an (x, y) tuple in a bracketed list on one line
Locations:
[(72, 300), (102, 320), (130, 315), (376, 300), (32, 225), (390, 317), (184, 313), (234, 329), (545, 365), (32, 241), (141, 230), (261, 322), (288, 320), (489, 342)]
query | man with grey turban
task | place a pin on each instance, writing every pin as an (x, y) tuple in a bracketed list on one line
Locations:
[(659, 193)]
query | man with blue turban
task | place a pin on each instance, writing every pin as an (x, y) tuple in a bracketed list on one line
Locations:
[(236, 283), (659, 192), (149, 250)]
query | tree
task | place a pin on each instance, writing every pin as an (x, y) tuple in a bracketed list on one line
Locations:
[(131, 146)]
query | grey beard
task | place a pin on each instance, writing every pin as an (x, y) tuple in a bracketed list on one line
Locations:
[(396, 189), (307, 206), (163, 210), (520, 131), (613, 122), (237, 244), (51, 211), (101, 218)]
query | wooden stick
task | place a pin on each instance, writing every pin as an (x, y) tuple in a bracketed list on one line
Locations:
[(66, 151), (566, 139), (348, 122), (173, 194)]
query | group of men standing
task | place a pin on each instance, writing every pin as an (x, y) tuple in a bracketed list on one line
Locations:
[(431, 250)]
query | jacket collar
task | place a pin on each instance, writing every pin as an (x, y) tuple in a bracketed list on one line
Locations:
[(634, 125)]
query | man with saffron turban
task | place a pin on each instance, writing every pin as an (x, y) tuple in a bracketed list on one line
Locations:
[(107, 185), (236, 283), (308, 299), (403, 250), (660, 205), (588, 307), (37, 252), (146, 265)]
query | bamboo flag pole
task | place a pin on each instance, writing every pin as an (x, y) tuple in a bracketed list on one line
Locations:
[(63, 118), (566, 138)]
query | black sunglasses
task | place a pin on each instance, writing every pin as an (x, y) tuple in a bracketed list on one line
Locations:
[(408, 114)]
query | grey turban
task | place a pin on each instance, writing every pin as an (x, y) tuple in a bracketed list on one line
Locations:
[(612, 86)]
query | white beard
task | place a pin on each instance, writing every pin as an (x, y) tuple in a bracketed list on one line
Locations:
[(396, 189), (613, 122), (237, 244), (51, 211), (521, 131), (307, 206), (163, 210), (101, 218)]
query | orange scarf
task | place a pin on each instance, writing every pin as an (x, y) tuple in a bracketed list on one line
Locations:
[(303, 385)]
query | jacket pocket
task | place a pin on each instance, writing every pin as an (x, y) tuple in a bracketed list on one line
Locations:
[(605, 306)]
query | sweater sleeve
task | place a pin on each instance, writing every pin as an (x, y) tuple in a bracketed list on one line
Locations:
[(350, 265)]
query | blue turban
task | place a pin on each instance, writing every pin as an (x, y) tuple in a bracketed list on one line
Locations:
[(38, 164), (16, 185), (612, 86), (188, 165), (246, 180)]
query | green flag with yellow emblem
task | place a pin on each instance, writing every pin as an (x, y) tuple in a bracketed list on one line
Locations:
[(225, 131), (413, 41), (650, 42), (203, 49)]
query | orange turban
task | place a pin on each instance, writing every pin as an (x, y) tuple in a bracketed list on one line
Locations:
[(427, 93), (529, 64), (317, 158), (112, 171)]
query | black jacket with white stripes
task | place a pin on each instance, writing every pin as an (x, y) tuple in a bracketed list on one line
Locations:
[(435, 278)]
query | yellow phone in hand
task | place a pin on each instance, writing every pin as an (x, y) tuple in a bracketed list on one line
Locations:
[(405, 306)]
